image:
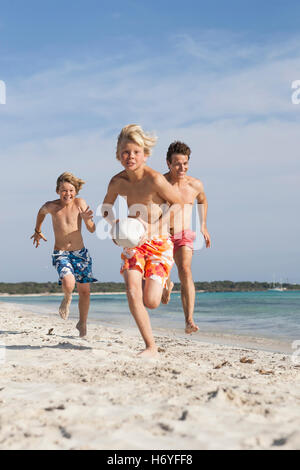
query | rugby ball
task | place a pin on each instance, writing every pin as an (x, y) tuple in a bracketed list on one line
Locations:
[(128, 232)]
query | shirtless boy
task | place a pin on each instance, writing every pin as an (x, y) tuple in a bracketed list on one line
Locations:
[(70, 257), (190, 189), (146, 267)]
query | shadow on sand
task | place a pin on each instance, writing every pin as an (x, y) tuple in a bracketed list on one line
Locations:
[(65, 345)]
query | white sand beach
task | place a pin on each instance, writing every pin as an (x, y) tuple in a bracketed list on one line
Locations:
[(61, 392)]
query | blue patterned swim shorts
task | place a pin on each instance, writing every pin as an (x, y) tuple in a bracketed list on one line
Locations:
[(78, 263)]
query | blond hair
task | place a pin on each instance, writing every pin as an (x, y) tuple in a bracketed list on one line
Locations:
[(134, 133), (67, 177)]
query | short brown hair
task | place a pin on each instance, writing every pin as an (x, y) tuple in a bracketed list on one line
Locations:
[(67, 177), (179, 148)]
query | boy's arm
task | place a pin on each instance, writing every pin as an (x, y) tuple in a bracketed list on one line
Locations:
[(86, 214), (202, 206), (109, 200), (37, 236)]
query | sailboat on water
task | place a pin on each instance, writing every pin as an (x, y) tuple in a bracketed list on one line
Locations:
[(279, 288)]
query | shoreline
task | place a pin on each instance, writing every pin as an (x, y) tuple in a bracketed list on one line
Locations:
[(55, 294), (47, 294), (258, 343)]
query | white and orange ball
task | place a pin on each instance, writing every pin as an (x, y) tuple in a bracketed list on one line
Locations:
[(128, 232)]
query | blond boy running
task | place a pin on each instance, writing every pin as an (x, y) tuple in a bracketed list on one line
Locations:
[(145, 268), (70, 257), (183, 237)]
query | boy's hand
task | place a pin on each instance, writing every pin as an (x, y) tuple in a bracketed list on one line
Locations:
[(206, 236), (37, 236), (86, 214)]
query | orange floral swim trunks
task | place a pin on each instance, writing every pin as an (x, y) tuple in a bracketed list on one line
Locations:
[(154, 259)]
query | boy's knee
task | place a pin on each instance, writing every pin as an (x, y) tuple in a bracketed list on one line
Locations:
[(83, 288), (184, 271), (134, 292), (68, 282), (84, 293), (152, 302)]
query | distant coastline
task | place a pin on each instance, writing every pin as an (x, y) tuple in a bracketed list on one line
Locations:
[(118, 288), (58, 294)]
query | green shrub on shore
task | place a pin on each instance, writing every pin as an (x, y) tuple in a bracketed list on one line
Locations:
[(22, 288)]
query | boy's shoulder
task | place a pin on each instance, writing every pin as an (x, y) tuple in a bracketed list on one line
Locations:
[(50, 205), (154, 175), (79, 201), (149, 173), (195, 183), (54, 202), (118, 177)]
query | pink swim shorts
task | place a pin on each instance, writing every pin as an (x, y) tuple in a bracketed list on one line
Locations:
[(184, 238)]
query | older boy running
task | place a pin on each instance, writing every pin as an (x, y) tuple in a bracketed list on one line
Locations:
[(190, 189), (151, 261)]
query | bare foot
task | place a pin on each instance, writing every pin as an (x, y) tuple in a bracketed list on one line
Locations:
[(64, 308), (165, 298), (191, 327), (81, 327), (149, 352)]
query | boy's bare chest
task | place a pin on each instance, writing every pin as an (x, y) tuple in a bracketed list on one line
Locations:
[(188, 194), (66, 217), (141, 192)]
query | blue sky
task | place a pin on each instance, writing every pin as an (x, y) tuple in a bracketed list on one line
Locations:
[(215, 74)]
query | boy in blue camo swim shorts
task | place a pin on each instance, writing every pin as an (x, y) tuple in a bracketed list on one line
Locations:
[(70, 257), (78, 263)]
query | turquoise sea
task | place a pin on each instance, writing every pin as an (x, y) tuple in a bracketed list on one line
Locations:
[(269, 314)]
